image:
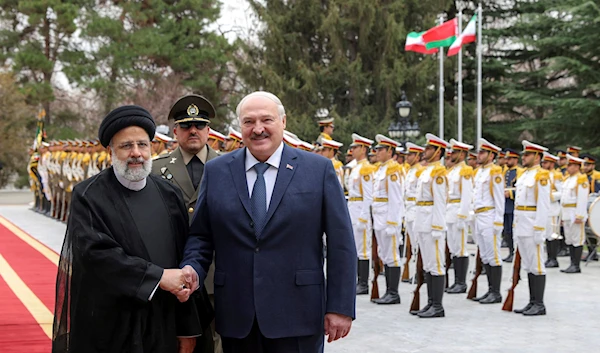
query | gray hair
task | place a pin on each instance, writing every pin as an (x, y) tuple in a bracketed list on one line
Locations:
[(268, 95)]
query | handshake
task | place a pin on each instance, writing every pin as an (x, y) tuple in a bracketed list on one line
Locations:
[(180, 282)]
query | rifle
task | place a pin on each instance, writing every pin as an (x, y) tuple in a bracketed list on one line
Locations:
[(408, 255), (508, 303), (448, 264), (416, 303), (478, 269), (376, 268)]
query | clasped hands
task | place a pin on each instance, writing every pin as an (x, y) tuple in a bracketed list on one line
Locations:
[(180, 282)]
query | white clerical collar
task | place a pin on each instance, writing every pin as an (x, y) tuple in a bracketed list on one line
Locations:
[(131, 185), (273, 161)]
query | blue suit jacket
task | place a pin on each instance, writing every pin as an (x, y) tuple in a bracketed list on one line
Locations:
[(279, 277)]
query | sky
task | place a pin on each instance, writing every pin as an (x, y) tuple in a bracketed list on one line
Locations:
[(237, 19)]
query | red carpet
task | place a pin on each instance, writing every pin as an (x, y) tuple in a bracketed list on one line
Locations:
[(19, 330)]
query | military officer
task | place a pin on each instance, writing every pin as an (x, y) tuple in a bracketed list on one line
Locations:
[(472, 160), (574, 151), (330, 149), (553, 230), (388, 212), (589, 165), (511, 173), (460, 197), (372, 157), (215, 139), (488, 204), (573, 200), (233, 141), (159, 144), (532, 204), (360, 197), (562, 161), (326, 128), (430, 225), (410, 194)]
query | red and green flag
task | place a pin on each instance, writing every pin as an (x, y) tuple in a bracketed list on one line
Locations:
[(467, 36), (414, 42), (441, 36)]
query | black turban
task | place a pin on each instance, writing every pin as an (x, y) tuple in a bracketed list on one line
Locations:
[(122, 117)]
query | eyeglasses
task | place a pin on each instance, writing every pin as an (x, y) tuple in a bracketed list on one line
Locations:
[(142, 145), (199, 125)]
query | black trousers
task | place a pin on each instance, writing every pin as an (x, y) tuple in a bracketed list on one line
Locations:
[(508, 230), (256, 342)]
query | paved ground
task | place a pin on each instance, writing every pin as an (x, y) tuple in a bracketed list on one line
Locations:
[(570, 326)]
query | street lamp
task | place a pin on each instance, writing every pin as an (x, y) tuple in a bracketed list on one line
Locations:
[(403, 127)]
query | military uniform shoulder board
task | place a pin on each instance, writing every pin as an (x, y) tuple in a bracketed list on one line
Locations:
[(439, 170), (466, 172), (582, 179), (496, 170), (367, 169)]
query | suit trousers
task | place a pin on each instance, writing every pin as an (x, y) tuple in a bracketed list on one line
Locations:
[(433, 253), (533, 255), (457, 240), (256, 342), (574, 233)]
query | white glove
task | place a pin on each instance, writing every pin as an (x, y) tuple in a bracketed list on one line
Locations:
[(391, 230), (361, 226), (460, 224), (437, 235), (538, 237)]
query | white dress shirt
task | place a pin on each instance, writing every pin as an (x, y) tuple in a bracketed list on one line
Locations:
[(270, 174)]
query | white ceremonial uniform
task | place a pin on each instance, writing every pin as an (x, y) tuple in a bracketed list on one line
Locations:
[(488, 204), (430, 220), (460, 196), (360, 197), (532, 204), (388, 211), (554, 210), (339, 172), (410, 203), (575, 191)]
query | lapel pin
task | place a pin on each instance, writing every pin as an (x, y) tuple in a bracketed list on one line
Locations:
[(163, 170), (289, 167), (173, 160)]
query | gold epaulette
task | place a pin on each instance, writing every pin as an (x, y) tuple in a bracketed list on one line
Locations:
[(102, 156), (520, 172), (337, 164), (557, 175), (393, 167), (86, 158), (595, 175), (439, 170), (420, 170), (582, 179), (63, 155), (367, 169), (95, 156), (542, 174), (467, 171), (495, 170)]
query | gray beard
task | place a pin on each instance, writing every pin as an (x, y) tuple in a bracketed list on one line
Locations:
[(123, 170)]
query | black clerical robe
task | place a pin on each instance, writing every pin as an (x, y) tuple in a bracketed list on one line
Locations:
[(108, 270)]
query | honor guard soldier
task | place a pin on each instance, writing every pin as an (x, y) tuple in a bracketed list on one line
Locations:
[(430, 225), (532, 204), (511, 173), (472, 160), (215, 139), (305, 146), (388, 212), (460, 198), (159, 145), (562, 161), (360, 197), (589, 165), (233, 141), (488, 203), (410, 194), (326, 127), (330, 149), (574, 200), (574, 151), (553, 230)]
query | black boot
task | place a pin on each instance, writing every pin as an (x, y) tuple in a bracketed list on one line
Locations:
[(448, 277), (530, 304), (552, 249), (362, 287), (437, 292), (427, 276), (496, 278), (393, 278), (487, 274), (563, 248), (387, 284), (461, 266), (538, 308), (575, 260)]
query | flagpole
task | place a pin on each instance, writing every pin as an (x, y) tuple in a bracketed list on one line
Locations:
[(479, 88), (460, 85), (441, 56)]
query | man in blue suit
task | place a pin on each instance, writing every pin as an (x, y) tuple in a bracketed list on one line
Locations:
[(263, 210)]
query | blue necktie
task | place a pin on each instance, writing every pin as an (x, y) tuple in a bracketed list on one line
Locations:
[(259, 198)]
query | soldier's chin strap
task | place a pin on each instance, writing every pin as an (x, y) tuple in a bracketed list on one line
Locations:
[(433, 155)]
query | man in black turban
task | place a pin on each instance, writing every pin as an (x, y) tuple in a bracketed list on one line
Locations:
[(118, 267)]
